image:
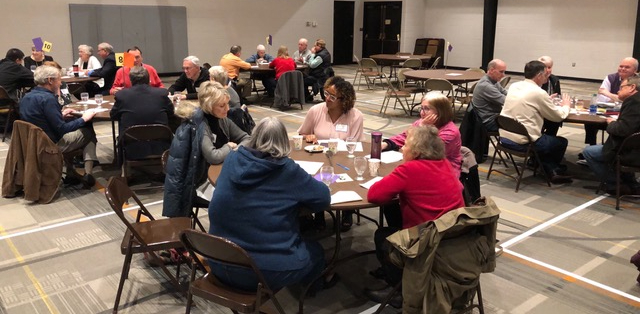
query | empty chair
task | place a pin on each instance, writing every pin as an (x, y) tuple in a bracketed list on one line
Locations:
[(145, 235), (434, 65), (371, 72), (528, 150), (8, 107), (505, 81), (412, 63), (399, 96), (289, 89), (630, 143), (413, 87), (442, 85), (210, 288), (463, 90), (143, 145), (358, 75)]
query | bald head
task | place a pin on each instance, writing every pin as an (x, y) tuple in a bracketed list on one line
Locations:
[(548, 63), (628, 67), (496, 69)]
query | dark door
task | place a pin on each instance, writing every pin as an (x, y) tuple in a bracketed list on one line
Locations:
[(343, 12), (381, 27)]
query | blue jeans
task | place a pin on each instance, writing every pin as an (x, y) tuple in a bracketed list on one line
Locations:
[(550, 149), (602, 169), (245, 279)]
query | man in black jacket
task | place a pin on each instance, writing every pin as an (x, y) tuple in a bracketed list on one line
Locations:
[(319, 61), (600, 158), (192, 76), (13, 75), (108, 69)]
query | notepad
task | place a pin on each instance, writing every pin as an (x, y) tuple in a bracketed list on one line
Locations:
[(311, 167), (344, 197), (369, 183), (389, 157)]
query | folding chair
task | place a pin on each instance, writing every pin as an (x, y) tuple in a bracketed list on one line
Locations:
[(371, 72), (505, 81), (528, 150), (463, 91), (631, 143), (210, 288), (144, 236), (434, 65), (415, 87), (143, 145), (289, 89), (358, 75), (442, 85), (398, 95)]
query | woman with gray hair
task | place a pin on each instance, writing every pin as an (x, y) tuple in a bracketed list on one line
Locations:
[(86, 63), (427, 188), (253, 206), (206, 136)]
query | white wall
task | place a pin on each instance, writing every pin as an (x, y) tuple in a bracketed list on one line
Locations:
[(460, 23), (213, 26), (593, 34)]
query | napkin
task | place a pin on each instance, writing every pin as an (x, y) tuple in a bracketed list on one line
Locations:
[(344, 197)]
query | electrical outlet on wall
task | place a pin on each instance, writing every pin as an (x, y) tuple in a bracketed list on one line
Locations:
[(573, 64), (308, 23)]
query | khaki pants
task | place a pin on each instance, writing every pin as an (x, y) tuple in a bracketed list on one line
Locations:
[(84, 138)]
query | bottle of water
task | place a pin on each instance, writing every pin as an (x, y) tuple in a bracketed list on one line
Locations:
[(593, 107)]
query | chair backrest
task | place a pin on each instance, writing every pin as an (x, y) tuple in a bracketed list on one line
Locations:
[(413, 63), (505, 81), (514, 126), (439, 85), (220, 250), (368, 64), (420, 46), (632, 142), (434, 65), (357, 60), (118, 193), (146, 138), (5, 100)]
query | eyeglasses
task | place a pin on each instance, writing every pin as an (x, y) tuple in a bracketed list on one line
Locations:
[(187, 68), (329, 96), (425, 109)]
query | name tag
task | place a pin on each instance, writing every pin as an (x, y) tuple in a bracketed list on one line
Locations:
[(342, 128)]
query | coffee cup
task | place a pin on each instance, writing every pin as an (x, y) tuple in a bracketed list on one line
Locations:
[(297, 142), (333, 145), (374, 166)]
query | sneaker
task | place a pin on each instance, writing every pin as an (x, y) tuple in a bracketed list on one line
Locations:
[(582, 162)]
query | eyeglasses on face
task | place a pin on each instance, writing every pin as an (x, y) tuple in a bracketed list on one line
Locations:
[(330, 97), (425, 109)]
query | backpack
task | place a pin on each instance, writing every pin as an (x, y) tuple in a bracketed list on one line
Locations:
[(242, 119)]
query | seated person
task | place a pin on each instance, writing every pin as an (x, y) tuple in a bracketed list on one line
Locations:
[(236, 110), (13, 76), (261, 56), (300, 56), (427, 188), (335, 118), (64, 98), (41, 108), (488, 96), (206, 136), (139, 105), (37, 58), (87, 62), (192, 76), (435, 110), (552, 87), (601, 158), (233, 64), (527, 103), (319, 62), (253, 206), (122, 76), (283, 63), (108, 70)]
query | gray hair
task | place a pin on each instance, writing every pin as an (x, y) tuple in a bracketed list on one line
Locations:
[(193, 60), (86, 49), (634, 60), (634, 80), (261, 47), (270, 137), (106, 46), (139, 75), (546, 60), (494, 63), (304, 40), (210, 94), (45, 72), (424, 143), (219, 74)]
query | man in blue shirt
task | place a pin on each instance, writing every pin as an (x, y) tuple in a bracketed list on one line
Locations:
[(41, 108)]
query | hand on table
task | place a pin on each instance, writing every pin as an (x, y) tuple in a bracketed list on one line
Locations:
[(88, 115), (67, 113), (310, 139)]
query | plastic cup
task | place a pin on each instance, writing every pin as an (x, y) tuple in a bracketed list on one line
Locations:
[(333, 145), (374, 166), (297, 142)]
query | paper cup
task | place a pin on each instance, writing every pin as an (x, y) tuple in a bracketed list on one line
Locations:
[(297, 142), (374, 165), (333, 145)]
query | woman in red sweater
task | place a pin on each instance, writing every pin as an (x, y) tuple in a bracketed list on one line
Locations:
[(427, 188), (282, 63)]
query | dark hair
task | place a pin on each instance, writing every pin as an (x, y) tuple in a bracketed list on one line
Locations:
[(345, 90), (14, 54), (533, 68), (135, 48), (235, 49), (139, 75)]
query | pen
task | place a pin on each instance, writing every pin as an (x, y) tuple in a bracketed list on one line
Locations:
[(342, 166)]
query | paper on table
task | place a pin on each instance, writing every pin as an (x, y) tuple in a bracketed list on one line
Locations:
[(369, 183), (345, 196), (96, 110), (311, 167), (343, 177), (92, 102), (405, 57), (453, 74), (389, 157)]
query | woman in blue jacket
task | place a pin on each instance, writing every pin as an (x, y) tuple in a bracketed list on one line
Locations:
[(256, 204)]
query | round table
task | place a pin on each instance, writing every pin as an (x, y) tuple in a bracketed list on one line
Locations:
[(81, 80), (453, 76), (389, 59)]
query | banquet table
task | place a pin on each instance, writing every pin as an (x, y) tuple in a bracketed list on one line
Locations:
[(453, 76)]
